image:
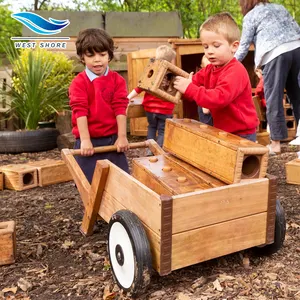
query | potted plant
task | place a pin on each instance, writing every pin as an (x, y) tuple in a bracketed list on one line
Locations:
[(39, 90)]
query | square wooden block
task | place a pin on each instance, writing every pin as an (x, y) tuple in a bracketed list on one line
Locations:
[(158, 79), (19, 177), (225, 156), (51, 171), (292, 169), (7, 242)]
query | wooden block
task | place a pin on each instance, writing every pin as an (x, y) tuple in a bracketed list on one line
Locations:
[(152, 80), (165, 177), (1, 181), (218, 153), (7, 242), (290, 123), (51, 171), (288, 111), (263, 138), (135, 108), (19, 177), (292, 169)]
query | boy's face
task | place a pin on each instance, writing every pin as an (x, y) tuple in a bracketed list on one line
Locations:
[(96, 62), (216, 48)]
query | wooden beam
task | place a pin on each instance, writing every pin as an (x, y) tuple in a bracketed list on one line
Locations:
[(95, 197)]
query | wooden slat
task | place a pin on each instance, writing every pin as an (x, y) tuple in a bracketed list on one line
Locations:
[(134, 196), (80, 180), (95, 196), (219, 204), (213, 241)]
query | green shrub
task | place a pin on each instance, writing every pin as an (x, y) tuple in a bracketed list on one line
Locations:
[(40, 83)]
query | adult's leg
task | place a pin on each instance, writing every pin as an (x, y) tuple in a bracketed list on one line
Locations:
[(292, 84), (275, 75), (161, 128)]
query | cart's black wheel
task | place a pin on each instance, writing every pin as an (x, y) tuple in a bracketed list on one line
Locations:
[(279, 236), (129, 252)]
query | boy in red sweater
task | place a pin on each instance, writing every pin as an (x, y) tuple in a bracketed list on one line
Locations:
[(157, 110), (224, 85), (98, 99)]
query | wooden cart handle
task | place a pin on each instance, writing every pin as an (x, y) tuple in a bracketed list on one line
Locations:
[(112, 148)]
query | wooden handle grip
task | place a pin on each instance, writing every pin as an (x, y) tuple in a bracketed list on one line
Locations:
[(112, 148)]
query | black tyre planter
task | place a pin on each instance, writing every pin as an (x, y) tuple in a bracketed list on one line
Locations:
[(28, 140), (129, 252)]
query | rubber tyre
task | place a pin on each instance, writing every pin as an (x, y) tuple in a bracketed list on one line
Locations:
[(28, 140), (280, 230), (129, 253)]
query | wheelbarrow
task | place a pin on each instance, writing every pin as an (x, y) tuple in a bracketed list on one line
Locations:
[(156, 224)]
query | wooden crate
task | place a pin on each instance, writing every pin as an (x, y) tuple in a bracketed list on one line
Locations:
[(19, 177), (1, 181), (167, 177), (288, 111), (152, 80), (292, 169), (216, 152), (7, 242), (51, 171)]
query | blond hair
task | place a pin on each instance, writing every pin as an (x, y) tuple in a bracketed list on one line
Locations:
[(165, 52), (224, 24)]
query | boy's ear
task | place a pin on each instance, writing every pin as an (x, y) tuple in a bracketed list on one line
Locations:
[(235, 46)]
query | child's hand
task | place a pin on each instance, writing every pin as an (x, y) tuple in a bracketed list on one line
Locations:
[(122, 144), (182, 83), (86, 147), (206, 111)]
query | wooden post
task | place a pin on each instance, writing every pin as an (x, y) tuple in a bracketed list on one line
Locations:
[(96, 193)]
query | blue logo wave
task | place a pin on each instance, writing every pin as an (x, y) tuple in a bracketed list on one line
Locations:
[(40, 25)]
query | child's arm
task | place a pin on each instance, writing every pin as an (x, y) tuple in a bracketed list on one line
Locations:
[(205, 110), (121, 142), (228, 87), (86, 146), (132, 94)]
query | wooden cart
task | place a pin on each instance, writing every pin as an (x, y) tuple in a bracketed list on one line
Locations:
[(170, 214)]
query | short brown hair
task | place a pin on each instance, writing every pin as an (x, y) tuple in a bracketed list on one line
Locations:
[(165, 52), (247, 5), (222, 23), (94, 40)]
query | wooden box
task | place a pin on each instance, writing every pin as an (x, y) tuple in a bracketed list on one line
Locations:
[(152, 80), (288, 111), (293, 171), (216, 152), (19, 177), (1, 181), (7, 242), (51, 171), (167, 177)]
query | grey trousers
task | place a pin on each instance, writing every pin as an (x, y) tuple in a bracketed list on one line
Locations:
[(279, 74)]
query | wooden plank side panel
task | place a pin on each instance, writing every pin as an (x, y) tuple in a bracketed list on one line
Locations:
[(134, 196), (213, 158), (219, 204), (195, 246), (110, 205)]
